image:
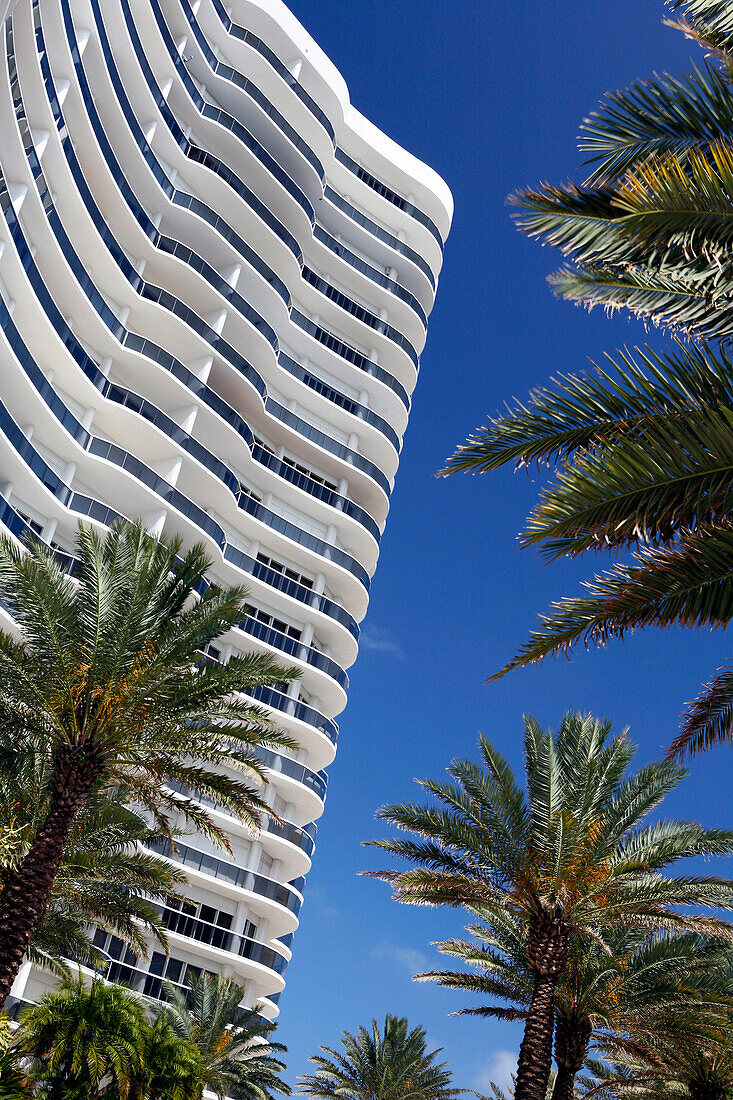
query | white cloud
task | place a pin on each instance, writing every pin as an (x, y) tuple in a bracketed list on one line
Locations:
[(406, 958), (319, 901), (378, 640), (499, 1070)]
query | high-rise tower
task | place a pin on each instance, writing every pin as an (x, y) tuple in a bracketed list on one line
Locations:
[(215, 277)]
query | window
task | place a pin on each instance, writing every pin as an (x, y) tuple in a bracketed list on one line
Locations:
[(276, 624), (199, 922), (34, 525), (309, 473), (168, 969), (278, 567), (123, 965)]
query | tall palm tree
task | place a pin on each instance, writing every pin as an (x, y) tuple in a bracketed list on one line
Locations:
[(570, 859), (106, 677), (238, 1056), (105, 877), (642, 451), (633, 979), (84, 1042), (388, 1064)]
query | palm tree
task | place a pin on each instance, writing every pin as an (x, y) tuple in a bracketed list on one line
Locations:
[(105, 877), (84, 1041), (649, 229), (633, 979), (238, 1056), (642, 455), (642, 451), (108, 681), (682, 1061), (391, 1064), (171, 1067), (569, 859)]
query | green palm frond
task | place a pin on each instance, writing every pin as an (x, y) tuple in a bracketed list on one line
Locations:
[(656, 117), (708, 720), (636, 390), (238, 1054), (379, 1064), (690, 585)]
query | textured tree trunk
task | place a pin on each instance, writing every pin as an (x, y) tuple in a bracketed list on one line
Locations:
[(535, 1053), (572, 1039), (27, 888), (547, 953)]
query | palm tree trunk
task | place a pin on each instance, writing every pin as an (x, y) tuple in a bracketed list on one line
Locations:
[(27, 888), (535, 1053), (547, 953), (572, 1039)]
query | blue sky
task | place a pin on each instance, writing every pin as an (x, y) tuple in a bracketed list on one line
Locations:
[(491, 95)]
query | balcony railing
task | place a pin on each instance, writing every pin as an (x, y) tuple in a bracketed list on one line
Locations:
[(387, 193), (227, 872), (183, 924), (250, 89), (264, 50)]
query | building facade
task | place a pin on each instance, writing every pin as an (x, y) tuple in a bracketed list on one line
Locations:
[(215, 278)]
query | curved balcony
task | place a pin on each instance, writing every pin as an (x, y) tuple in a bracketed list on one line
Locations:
[(215, 113), (79, 503), (286, 895), (382, 234), (304, 538), (309, 431), (123, 459), (133, 400), (220, 68), (275, 638), (190, 202), (192, 151), (350, 354), (373, 273), (220, 406), (167, 245), (170, 302), (291, 588), (364, 315), (212, 935), (317, 782), (387, 193), (282, 70), (271, 697), (322, 492), (302, 837)]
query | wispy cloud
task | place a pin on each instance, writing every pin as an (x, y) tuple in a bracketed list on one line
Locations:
[(319, 902), (406, 958), (379, 640), (499, 1070)]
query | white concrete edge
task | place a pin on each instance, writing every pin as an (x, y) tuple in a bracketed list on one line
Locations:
[(361, 127)]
